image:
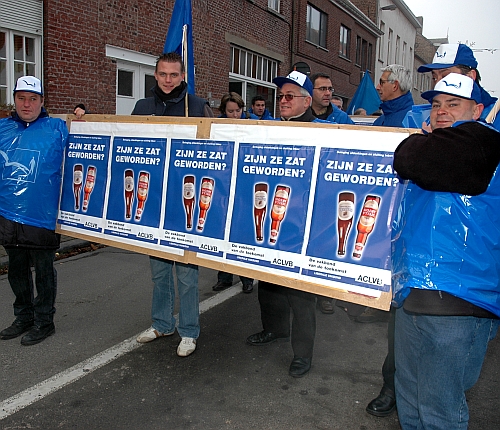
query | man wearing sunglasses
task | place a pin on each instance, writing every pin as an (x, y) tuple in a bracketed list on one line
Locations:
[(275, 301)]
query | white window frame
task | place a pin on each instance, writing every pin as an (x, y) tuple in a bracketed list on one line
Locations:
[(131, 61), (274, 5), (389, 46), (345, 41), (381, 42), (396, 55), (11, 75), (323, 26), (252, 75)]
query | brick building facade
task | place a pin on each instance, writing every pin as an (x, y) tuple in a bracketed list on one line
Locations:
[(90, 49), (345, 68)]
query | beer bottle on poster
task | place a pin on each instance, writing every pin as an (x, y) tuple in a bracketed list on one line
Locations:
[(280, 202), (206, 191), (142, 194), (89, 186), (188, 195), (259, 209), (366, 223), (129, 192), (345, 213), (77, 183)]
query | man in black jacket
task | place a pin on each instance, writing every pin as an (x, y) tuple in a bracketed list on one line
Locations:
[(169, 99), (445, 257)]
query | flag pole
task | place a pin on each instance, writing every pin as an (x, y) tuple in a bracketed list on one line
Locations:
[(493, 112), (185, 59)]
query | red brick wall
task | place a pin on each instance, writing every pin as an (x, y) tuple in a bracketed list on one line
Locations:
[(345, 73), (76, 69)]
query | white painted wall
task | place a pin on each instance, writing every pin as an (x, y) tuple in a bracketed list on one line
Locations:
[(401, 27)]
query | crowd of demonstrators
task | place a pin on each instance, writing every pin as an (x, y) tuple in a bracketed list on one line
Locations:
[(27, 231), (169, 99), (448, 311), (276, 302), (450, 181)]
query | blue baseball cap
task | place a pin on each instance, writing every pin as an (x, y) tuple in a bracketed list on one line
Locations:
[(449, 55), (295, 78), (29, 84), (456, 85)]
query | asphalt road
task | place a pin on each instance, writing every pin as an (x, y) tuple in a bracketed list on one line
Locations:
[(93, 375)]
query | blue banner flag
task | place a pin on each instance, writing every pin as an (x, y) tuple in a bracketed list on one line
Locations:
[(366, 97), (180, 38)]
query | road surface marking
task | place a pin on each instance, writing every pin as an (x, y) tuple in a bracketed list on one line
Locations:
[(66, 377)]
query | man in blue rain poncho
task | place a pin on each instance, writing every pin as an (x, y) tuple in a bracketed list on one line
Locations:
[(446, 257), (31, 152)]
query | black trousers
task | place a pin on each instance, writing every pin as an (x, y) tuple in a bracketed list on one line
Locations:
[(275, 304), (27, 307)]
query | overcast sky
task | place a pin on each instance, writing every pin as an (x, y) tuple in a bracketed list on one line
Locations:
[(466, 21)]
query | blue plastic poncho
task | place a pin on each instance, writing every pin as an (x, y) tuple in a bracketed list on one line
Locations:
[(449, 242), (30, 169)]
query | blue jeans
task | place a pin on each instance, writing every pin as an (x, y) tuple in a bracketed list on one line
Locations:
[(162, 311), (27, 307), (438, 358)]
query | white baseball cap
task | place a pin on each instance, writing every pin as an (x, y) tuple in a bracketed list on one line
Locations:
[(29, 84), (295, 78), (457, 85)]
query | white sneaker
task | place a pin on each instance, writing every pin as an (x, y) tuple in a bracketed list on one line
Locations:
[(186, 347), (151, 334)]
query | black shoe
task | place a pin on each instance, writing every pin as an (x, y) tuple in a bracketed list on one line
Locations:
[(326, 306), (247, 287), (299, 367), (383, 405), (16, 329), (219, 286), (265, 337), (38, 334)]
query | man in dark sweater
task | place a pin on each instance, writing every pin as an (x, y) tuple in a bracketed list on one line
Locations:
[(169, 99), (446, 272)]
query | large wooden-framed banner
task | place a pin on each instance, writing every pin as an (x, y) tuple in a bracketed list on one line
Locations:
[(305, 205)]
